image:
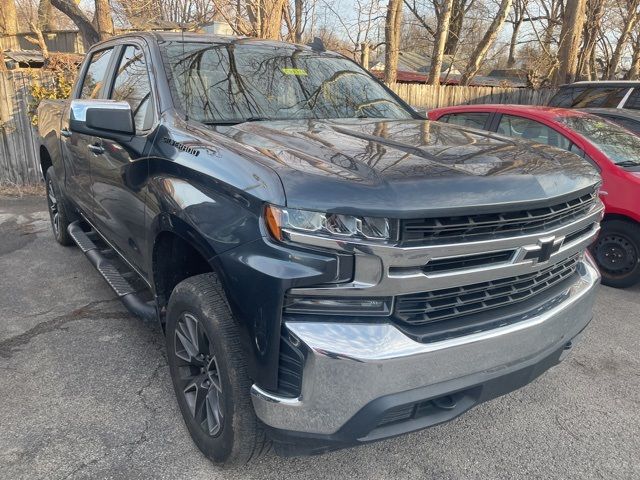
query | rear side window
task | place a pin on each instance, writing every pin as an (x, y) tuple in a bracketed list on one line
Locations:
[(132, 85), (586, 97), (527, 129), (566, 96), (96, 73), (633, 101), (471, 119)]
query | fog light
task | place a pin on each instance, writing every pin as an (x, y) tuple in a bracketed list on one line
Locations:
[(337, 306)]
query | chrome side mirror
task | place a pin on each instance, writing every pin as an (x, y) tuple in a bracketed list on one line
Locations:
[(102, 118)]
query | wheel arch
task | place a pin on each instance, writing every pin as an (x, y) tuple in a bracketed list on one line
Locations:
[(618, 216), (45, 160), (177, 254)]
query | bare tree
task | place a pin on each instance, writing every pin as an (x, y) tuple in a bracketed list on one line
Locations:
[(392, 40), (298, 26), (634, 70), (442, 31), (630, 20), (265, 17), (480, 52), (102, 19), (570, 37), (459, 9), (45, 16), (8, 17), (518, 17), (591, 31)]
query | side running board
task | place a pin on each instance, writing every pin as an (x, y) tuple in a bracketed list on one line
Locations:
[(127, 294)]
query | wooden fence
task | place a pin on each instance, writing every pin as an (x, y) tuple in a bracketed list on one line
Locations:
[(19, 162), (430, 96)]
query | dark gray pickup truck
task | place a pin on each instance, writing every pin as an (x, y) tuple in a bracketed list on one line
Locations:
[(329, 268)]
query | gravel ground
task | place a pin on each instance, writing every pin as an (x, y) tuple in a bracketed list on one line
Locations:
[(85, 391)]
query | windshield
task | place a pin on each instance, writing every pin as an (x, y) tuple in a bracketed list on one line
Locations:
[(234, 82), (620, 145)]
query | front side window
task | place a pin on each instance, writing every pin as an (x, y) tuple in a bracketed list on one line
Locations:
[(96, 73), (527, 129), (614, 141), (236, 82), (471, 119), (132, 85), (633, 102)]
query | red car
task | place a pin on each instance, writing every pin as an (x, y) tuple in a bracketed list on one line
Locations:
[(614, 150)]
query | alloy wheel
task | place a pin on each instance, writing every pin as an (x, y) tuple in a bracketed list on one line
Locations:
[(199, 374)]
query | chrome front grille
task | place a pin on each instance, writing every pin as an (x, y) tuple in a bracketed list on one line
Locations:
[(468, 228), (435, 306)]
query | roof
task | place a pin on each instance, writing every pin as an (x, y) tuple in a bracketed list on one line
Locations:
[(605, 83), (620, 112), (537, 110), (165, 36), (225, 39), (25, 58)]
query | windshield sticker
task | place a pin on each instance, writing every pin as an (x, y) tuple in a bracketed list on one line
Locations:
[(294, 71)]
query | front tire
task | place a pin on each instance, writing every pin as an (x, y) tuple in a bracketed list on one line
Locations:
[(617, 253), (57, 212), (209, 373)]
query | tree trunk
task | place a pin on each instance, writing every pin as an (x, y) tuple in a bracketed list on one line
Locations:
[(102, 19), (455, 27), (392, 40), (634, 71), (364, 55), (440, 40), (590, 32), (89, 34), (479, 54), (629, 24), (8, 17), (45, 16), (570, 36), (3, 66), (265, 17), (511, 61), (298, 21)]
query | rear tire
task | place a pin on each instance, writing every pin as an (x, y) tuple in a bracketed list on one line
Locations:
[(617, 253), (57, 211), (209, 373)]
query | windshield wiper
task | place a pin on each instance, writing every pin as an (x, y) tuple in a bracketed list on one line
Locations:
[(628, 163), (236, 122)]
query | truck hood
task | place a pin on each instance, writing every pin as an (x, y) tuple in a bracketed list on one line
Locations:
[(403, 168)]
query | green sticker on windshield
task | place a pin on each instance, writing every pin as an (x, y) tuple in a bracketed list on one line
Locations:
[(294, 71)]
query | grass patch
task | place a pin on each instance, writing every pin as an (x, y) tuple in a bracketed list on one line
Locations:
[(12, 190)]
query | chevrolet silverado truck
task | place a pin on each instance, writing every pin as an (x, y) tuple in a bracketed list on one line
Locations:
[(328, 268)]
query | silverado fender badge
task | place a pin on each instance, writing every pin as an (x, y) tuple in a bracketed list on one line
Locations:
[(181, 146)]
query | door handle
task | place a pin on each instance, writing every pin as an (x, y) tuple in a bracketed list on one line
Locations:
[(96, 149), (65, 132)]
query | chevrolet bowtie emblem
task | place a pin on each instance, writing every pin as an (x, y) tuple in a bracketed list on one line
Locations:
[(542, 251)]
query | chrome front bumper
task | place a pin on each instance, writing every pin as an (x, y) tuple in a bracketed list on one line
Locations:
[(349, 365)]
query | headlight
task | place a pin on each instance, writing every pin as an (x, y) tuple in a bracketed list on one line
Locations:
[(332, 225)]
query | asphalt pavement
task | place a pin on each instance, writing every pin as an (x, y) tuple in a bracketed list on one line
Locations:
[(85, 392)]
